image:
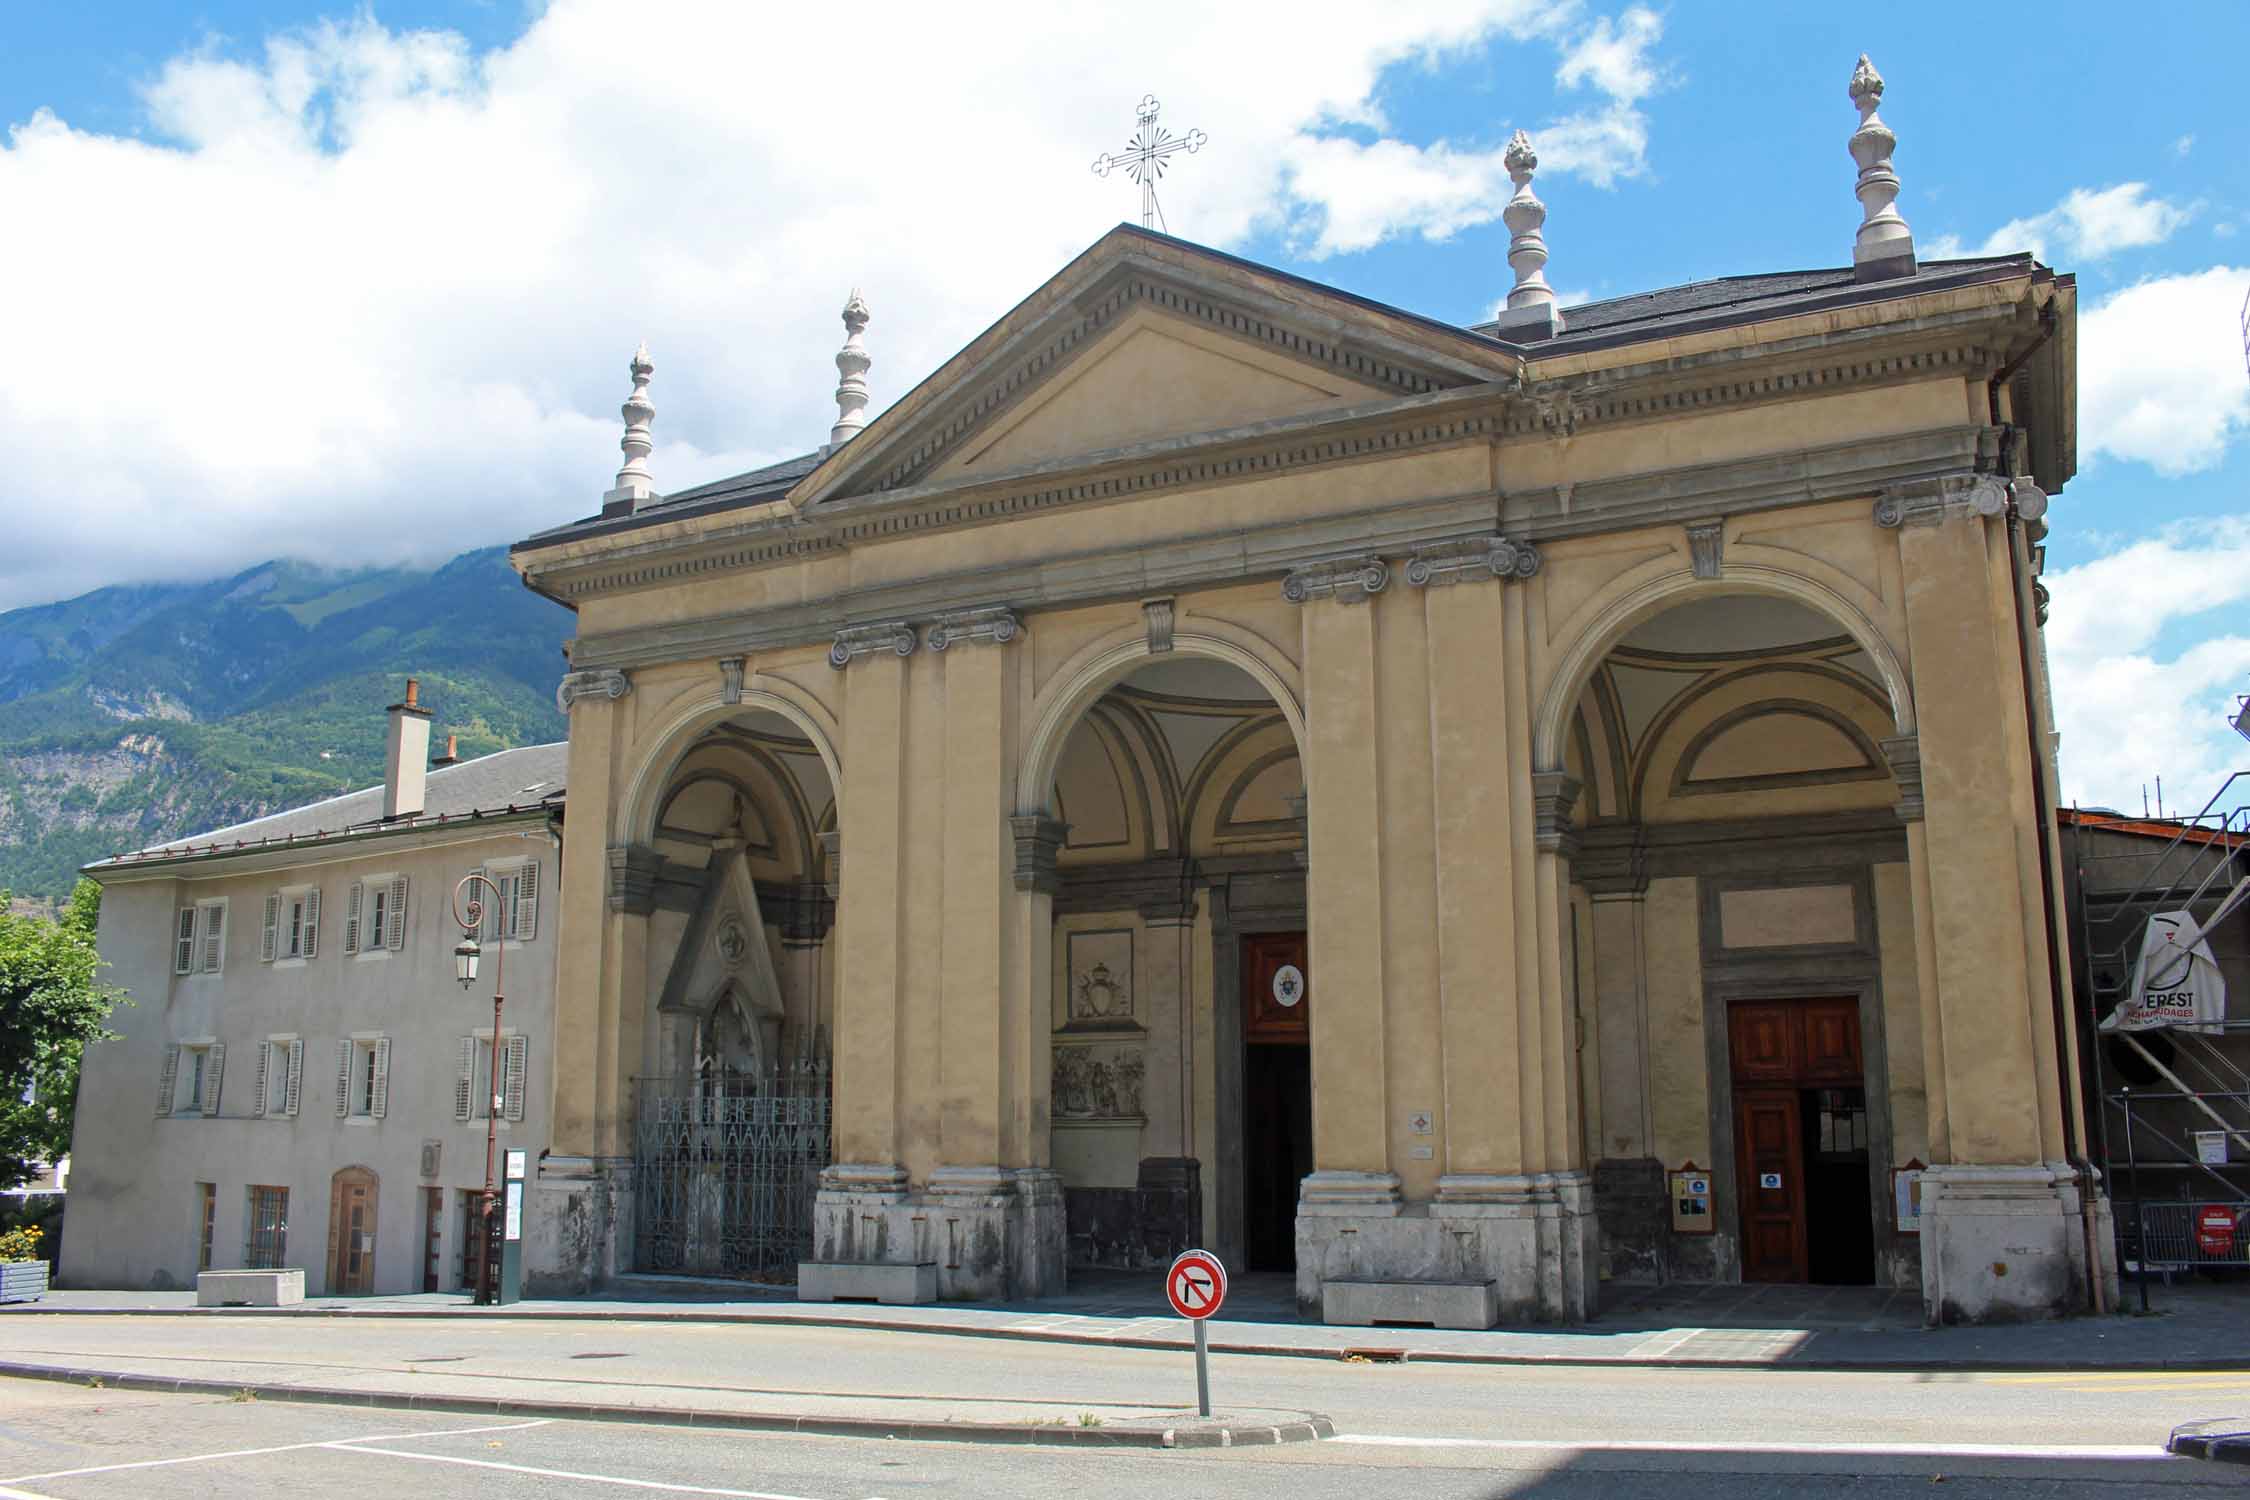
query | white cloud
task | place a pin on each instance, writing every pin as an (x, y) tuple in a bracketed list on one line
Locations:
[(2089, 224), (2126, 712), (2160, 371), (368, 293), (2184, 144)]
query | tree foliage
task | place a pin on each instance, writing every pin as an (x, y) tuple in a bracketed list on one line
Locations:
[(51, 1006)]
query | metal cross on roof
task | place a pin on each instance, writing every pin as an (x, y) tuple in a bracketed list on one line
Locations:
[(1149, 145)]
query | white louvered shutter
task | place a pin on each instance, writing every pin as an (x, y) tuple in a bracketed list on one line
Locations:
[(465, 1086), (380, 1104), (168, 1078), (214, 1069), (214, 937), (265, 1063), (526, 913), (312, 923), (183, 952), (519, 1055), (343, 1079), (395, 939), (352, 904), (270, 941), (296, 1077)]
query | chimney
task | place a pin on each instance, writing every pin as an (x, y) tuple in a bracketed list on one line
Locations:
[(406, 756), (452, 756)]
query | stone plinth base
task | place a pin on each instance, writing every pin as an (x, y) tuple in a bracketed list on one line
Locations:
[(2007, 1244), (989, 1232), (819, 1281), (577, 1225), (1636, 1217), (1534, 1237), (1420, 1304), (249, 1288)]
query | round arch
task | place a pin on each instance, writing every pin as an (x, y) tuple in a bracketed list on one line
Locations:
[(1652, 597), (1100, 669), (644, 795)]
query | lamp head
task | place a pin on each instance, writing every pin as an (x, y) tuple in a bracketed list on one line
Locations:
[(465, 961)]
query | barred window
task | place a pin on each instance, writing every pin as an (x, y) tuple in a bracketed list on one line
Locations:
[(266, 1244)]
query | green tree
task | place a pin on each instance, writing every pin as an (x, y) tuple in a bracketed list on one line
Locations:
[(50, 1007)]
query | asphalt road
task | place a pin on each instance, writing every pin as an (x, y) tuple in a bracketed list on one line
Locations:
[(1423, 1429)]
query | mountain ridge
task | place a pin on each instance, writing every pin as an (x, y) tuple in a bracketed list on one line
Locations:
[(139, 713)]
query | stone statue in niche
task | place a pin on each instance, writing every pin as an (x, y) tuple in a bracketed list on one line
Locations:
[(1098, 997), (1097, 1083)]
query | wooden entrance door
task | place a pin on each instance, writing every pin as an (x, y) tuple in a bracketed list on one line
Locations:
[(1778, 1050), (351, 1232), (1277, 1100)]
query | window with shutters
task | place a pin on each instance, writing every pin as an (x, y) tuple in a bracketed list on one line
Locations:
[(292, 926), (265, 1239), (375, 916), (193, 1072), (363, 1077), (473, 1091), (281, 1076), (514, 913), (199, 938)]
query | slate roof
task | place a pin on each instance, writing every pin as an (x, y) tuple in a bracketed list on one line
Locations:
[(508, 781), (1663, 313)]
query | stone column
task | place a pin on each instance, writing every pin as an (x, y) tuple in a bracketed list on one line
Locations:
[(2000, 1232), (1342, 1206), (857, 1218)]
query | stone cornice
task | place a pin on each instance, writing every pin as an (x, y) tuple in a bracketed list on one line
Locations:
[(1496, 411)]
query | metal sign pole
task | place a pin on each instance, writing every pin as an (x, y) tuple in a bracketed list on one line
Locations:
[(1202, 1369)]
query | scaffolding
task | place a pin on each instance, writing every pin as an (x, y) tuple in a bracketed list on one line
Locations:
[(2172, 1104)]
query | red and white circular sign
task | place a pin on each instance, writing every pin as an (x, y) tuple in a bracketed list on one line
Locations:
[(1196, 1284)]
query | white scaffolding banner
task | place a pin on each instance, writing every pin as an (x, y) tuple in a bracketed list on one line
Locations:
[(2176, 981)]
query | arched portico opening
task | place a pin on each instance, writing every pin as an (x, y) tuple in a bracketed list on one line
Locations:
[(734, 869), (1744, 932), (1179, 1109)]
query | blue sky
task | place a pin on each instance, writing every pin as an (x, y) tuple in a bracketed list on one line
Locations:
[(359, 283)]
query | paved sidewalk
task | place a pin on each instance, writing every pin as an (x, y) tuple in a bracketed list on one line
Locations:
[(2191, 1327)]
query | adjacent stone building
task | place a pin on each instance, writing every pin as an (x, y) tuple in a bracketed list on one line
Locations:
[(299, 1080), (1410, 805)]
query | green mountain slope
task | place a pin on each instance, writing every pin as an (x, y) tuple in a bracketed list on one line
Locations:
[(133, 715)]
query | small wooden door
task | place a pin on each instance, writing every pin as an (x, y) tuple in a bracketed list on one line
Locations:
[(1777, 1050), (433, 1238), (351, 1232)]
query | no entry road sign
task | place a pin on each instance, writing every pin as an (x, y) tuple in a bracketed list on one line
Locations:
[(1197, 1284)]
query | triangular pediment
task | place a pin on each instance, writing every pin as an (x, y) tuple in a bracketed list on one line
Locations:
[(1146, 340)]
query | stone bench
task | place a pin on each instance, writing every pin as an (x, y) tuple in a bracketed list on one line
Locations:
[(249, 1288), (853, 1281), (1354, 1303)]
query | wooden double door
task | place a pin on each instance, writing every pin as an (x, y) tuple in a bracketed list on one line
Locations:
[(1801, 1141), (351, 1232)]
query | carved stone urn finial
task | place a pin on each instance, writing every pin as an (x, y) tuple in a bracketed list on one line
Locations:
[(851, 367), (1885, 246), (1530, 310), (633, 485)]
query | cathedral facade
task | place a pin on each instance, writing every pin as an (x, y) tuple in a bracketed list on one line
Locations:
[(1452, 813)]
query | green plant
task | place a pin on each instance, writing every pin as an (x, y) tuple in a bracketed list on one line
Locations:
[(20, 1244), (1089, 1419)]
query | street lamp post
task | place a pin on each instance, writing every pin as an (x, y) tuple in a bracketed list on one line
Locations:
[(468, 910)]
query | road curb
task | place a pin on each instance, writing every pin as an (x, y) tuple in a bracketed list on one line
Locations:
[(2223, 1441), (660, 1313), (1306, 1427)]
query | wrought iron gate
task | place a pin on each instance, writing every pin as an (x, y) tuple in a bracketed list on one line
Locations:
[(725, 1165)]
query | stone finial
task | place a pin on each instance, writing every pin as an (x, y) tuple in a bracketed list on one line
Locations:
[(1530, 312), (633, 484), (1885, 246), (851, 365)]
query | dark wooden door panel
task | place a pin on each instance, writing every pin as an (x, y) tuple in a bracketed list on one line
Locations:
[(1763, 1043), (1769, 1176), (1264, 1017), (1831, 1050)]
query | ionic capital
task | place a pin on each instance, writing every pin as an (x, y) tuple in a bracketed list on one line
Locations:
[(1350, 580), (1478, 558), (1926, 502), (855, 641), (608, 682), (995, 623)]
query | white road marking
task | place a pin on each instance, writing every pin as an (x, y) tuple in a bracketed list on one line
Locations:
[(205, 1458), (2102, 1451), (635, 1484), (11, 1494)]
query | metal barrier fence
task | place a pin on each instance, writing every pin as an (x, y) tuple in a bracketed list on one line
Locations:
[(2172, 1235), (725, 1166)]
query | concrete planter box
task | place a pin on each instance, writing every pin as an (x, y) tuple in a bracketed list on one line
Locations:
[(23, 1280), (249, 1288)]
